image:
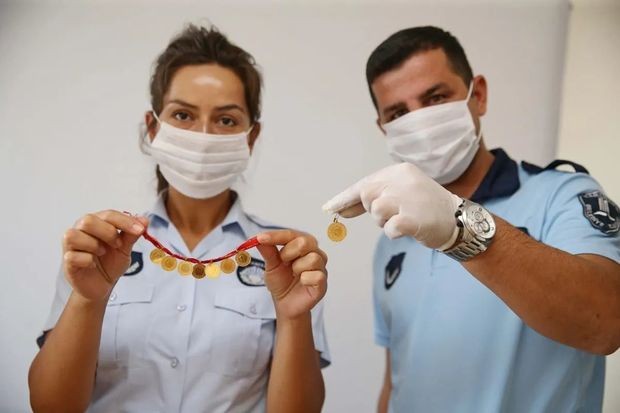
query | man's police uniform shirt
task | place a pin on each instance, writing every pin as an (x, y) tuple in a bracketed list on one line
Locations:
[(176, 344), (455, 346)]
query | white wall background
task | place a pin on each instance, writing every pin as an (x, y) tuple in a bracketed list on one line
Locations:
[(73, 82), (590, 118)]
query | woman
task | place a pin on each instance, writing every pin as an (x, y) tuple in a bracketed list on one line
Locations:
[(123, 335)]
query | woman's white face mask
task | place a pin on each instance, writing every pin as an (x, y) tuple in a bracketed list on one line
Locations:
[(198, 165), (441, 140)]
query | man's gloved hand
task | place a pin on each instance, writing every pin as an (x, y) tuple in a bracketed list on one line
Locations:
[(403, 201)]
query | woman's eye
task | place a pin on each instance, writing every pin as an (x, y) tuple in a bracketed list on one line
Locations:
[(182, 116), (227, 121)]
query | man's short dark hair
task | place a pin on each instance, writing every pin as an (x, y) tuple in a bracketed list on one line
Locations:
[(400, 46)]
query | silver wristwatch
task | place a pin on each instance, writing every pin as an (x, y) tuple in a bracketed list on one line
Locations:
[(476, 231)]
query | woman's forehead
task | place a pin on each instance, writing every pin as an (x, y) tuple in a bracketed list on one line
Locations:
[(207, 84)]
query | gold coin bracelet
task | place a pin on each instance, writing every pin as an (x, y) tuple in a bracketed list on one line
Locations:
[(210, 268), (336, 231)]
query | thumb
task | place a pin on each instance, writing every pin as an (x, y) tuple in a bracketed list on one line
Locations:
[(130, 239), (271, 255)]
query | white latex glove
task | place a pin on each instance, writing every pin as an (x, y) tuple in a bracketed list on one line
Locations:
[(403, 201)]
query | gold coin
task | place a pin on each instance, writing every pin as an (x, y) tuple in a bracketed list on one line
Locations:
[(243, 258), (185, 268), (168, 263), (212, 270), (157, 255), (199, 271), (228, 266), (336, 231)]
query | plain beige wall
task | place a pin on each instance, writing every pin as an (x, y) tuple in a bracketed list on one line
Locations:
[(590, 115)]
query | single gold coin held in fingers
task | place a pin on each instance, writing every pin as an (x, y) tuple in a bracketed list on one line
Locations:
[(336, 231)]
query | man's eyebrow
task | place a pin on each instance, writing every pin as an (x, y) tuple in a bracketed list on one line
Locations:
[(426, 94), (431, 90)]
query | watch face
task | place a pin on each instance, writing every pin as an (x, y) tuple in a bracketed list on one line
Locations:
[(479, 221)]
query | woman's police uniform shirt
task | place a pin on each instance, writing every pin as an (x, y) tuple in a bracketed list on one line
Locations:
[(176, 344), (455, 345)]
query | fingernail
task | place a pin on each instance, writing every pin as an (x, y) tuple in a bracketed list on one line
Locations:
[(118, 243), (137, 229), (263, 238), (100, 251)]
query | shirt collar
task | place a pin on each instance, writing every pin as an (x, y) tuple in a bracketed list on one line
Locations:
[(236, 219), (501, 180)]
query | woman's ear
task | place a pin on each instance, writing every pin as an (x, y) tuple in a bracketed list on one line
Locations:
[(254, 135), (151, 124)]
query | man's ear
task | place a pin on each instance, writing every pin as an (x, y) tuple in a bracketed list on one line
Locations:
[(151, 124), (380, 126), (480, 94), (254, 135)]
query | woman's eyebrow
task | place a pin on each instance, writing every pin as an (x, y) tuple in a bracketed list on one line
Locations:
[(183, 103), (229, 107)]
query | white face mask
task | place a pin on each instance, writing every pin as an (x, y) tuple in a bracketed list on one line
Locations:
[(198, 165), (441, 140)]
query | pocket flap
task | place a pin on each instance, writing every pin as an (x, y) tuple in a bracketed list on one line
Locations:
[(251, 302), (131, 291)]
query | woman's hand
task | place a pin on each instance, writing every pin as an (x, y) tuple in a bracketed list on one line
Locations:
[(97, 251), (295, 275)]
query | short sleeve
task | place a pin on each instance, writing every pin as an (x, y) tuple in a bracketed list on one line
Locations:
[(581, 219), (382, 335), (61, 296), (318, 332)]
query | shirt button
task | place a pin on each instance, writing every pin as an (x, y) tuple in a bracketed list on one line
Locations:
[(112, 296), (253, 309), (181, 307), (174, 362)]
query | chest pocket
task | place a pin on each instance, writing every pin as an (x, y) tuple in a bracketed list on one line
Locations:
[(125, 325), (243, 332)]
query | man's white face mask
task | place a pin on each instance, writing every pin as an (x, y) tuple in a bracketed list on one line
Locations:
[(198, 165), (441, 140)]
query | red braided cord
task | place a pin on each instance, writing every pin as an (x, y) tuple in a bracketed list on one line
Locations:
[(251, 243)]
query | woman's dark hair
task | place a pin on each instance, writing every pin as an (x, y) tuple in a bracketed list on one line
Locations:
[(197, 45)]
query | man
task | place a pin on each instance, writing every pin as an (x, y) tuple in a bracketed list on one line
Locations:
[(497, 285)]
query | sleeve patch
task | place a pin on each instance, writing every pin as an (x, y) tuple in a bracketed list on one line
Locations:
[(602, 213)]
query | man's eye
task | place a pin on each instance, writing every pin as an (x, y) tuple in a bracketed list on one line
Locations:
[(436, 99), (398, 114), (182, 116)]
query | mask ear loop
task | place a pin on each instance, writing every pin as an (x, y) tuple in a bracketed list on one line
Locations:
[(470, 91), (145, 142)]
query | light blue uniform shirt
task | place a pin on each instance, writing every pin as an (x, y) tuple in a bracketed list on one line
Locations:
[(455, 346), (176, 344)]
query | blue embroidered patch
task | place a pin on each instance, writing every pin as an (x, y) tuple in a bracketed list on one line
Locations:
[(252, 275), (137, 264), (393, 269), (601, 211)]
